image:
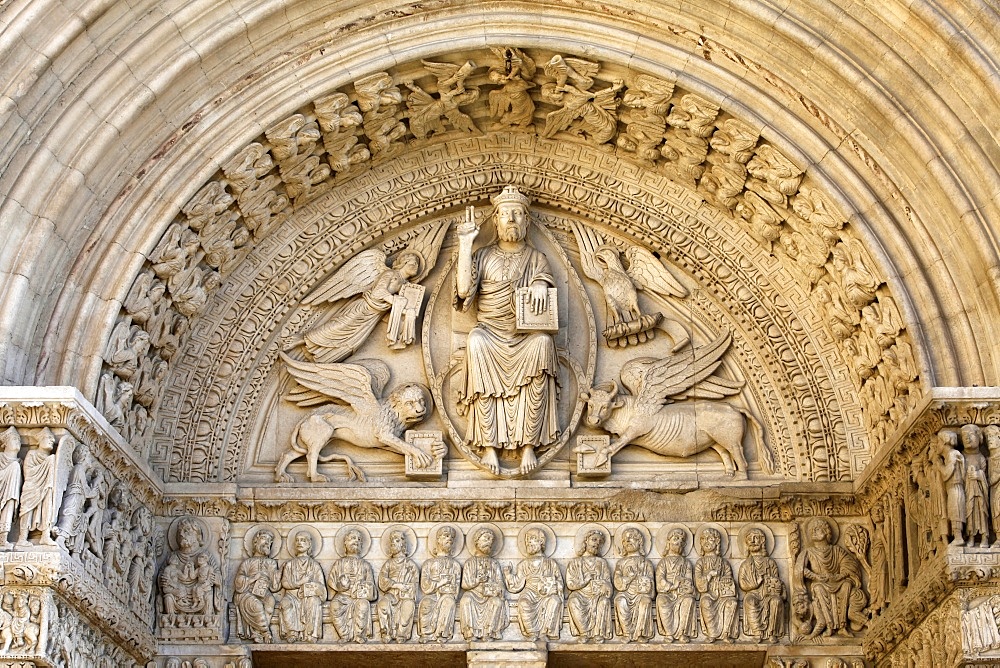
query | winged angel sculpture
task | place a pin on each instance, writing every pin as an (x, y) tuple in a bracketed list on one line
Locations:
[(649, 417), (368, 287), (628, 325)]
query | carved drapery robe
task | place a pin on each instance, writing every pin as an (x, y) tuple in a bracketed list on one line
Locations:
[(10, 490), (764, 598), (483, 610), (540, 605), (440, 579), (634, 580), (397, 580), (588, 579), (713, 577), (301, 607), (189, 582), (838, 600), (976, 495), (352, 583), (353, 322), (676, 598), (509, 387), (70, 527), (38, 491), (257, 578)]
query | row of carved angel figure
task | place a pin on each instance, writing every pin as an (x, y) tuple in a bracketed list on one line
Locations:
[(61, 495), (683, 600)]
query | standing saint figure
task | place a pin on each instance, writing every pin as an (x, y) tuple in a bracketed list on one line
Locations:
[(713, 577), (483, 608), (950, 465), (71, 527), (831, 576), (257, 579), (10, 482), (977, 491), (635, 581), (352, 585), (38, 511), (508, 388), (588, 579), (992, 433), (440, 579), (763, 591), (675, 598), (538, 578), (301, 607), (397, 580)]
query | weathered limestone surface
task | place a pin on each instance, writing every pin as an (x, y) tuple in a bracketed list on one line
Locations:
[(499, 334)]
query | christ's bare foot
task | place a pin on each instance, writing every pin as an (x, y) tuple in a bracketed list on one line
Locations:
[(491, 462), (528, 461)]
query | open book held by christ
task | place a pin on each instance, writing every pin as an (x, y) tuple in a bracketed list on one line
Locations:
[(528, 320)]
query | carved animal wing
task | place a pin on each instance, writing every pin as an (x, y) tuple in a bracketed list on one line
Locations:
[(426, 242), (356, 275), (582, 72), (655, 382), (442, 71), (516, 58), (648, 273), (589, 240), (359, 384)]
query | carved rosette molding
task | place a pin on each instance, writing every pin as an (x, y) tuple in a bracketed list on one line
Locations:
[(645, 121)]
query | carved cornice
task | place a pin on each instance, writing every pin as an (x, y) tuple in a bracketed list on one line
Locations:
[(943, 407), (89, 597), (65, 408)]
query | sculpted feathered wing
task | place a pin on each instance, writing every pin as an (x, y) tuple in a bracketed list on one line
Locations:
[(589, 240), (359, 384), (655, 382), (649, 274), (355, 276)]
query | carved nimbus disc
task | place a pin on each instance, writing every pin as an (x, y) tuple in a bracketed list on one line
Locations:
[(366, 539), (661, 538), (457, 543), (647, 541), (741, 549), (485, 526), (439, 343), (317, 539), (409, 536), (582, 532), (550, 538), (723, 538), (251, 534), (205, 533)]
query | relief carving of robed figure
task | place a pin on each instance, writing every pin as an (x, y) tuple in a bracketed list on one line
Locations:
[(509, 386)]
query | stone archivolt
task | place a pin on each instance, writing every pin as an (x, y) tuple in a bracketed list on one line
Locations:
[(342, 146)]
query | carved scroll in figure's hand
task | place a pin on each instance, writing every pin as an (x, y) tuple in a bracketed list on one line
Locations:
[(368, 287), (601, 261), (648, 417), (367, 420)]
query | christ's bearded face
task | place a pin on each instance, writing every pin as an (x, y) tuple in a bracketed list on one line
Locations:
[(511, 221)]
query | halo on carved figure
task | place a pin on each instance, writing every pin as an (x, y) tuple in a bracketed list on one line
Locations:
[(830, 522), (317, 539), (550, 538), (664, 531), (456, 546), (251, 535), (485, 526), (205, 533), (578, 372), (647, 540), (383, 541), (723, 538), (582, 532), (366, 539), (740, 550)]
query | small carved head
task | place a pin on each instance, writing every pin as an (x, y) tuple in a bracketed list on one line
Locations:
[(11, 441), (353, 542), (188, 535), (483, 541), (992, 434), (534, 541), (819, 530), (675, 541), (408, 263), (81, 453), (631, 541), (511, 214), (262, 543), (710, 541), (972, 437), (592, 543), (46, 440), (444, 540), (755, 541), (397, 543), (303, 544), (410, 402), (601, 401)]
